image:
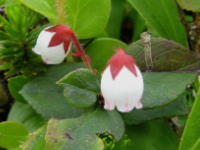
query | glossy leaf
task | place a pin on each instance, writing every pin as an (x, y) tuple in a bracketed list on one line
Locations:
[(113, 27), (139, 25), (87, 18), (164, 20), (15, 84), (101, 50), (46, 97), (40, 6), (26, 115), (12, 134), (177, 108), (162, 88), (166, 56), (80, 133), (192, 129), (80, 88), (153, 135), (192, 5)]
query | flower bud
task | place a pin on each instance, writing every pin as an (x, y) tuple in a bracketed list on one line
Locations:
[(53, 44), (122, 83)]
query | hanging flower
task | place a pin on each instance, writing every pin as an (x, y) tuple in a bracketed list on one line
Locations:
[(53, 44), (122, 83)]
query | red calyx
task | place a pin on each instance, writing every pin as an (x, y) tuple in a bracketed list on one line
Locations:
[(62, 35), (119, 60)]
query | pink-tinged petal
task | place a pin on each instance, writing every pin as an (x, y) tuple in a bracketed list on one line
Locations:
[(139, 105), (108, 105), (63, 35), (130, 89), (37, 51), (54, 55), (53, 44), (119, 60), (125, 90)]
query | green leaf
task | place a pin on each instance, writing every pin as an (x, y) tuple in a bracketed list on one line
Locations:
[(153, 135), (139, 24), (101, 50), (38, 142), (196, 146), (26, 115), (84, 23), (7, 2), (192, 129), (113, 27), (164, 20), (80, 133), (12, 134), (177, 108), (46, 97), (162, 88), (80, 88), (192, 5), (76, 14), (35, 141), (15, 84), (40, 6), (166, 56)]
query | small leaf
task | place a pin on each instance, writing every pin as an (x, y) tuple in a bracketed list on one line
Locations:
[(166, 56), (192, 5), (162, 88), (153, 135), (80, 133), (80, 88), (164, 20), (46, 97), (12, 134), (26, 115), (101, 50), (192, 129), (177, 108)]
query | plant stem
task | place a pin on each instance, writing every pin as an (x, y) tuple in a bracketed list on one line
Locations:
[(86, 59), (32, 137), (61, 12)]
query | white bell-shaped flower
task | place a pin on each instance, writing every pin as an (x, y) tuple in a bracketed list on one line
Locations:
[(122, 83), (53, 44)]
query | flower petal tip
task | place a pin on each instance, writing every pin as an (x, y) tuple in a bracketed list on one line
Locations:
[(139, 105)]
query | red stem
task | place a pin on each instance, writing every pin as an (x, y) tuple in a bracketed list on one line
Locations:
[(85, 58)]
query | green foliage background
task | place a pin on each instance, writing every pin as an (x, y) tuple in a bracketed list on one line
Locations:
[(59, 107)]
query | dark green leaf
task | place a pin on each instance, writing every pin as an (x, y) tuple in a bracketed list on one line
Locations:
[(162, 88), (101, 50), (25, 114), (12, 134), (80, 133), (15, 84), (193, 5), (164, 20), (166, 56), (153, 135), (46, 97), (177, 108), (192, 129), (80, 88)]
